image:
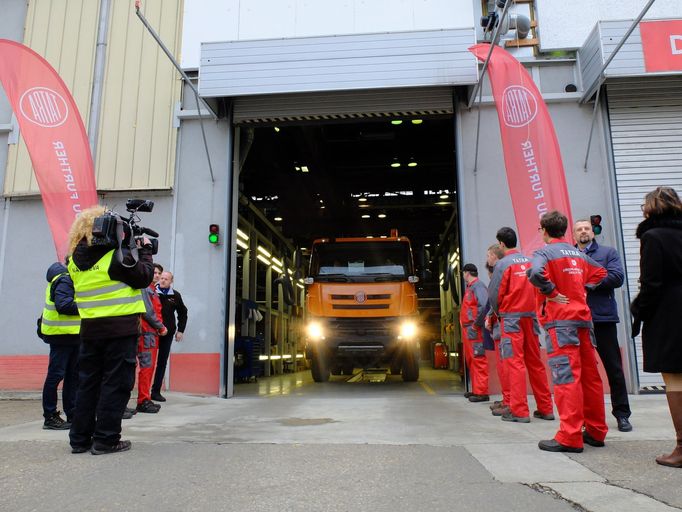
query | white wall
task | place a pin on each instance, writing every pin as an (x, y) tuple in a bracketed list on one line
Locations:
[(229, 20), (566, 24)]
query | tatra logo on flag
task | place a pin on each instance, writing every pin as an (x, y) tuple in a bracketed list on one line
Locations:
[(44, 107), (519, 106), (535, 172), (54, 134)]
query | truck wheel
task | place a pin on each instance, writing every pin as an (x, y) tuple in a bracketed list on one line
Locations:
[(410, 366), (319, 368)]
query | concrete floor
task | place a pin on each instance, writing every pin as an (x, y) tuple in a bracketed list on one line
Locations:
[(286, 443)]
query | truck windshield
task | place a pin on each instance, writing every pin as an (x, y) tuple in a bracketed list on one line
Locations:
[(361, 261)]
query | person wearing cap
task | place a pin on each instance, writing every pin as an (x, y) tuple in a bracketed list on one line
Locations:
[(472, 320), (512, 298), (562, 273)]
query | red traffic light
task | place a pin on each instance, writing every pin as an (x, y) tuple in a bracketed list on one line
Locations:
[(214, 234), (595, 220)]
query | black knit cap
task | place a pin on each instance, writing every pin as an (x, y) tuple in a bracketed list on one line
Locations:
[(469, 267)]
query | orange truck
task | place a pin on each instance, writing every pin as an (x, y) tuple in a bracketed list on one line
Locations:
[(362, 307)]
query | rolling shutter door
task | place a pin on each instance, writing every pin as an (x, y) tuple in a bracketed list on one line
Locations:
[(335, 105), (646, 131)]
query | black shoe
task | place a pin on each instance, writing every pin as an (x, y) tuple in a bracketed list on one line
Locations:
[(496, 404), (540, 416), (55, 422), (508, 416), (158, 397), (479, 398), (80, 449), (588, 439), (121, 446), (467, 394), (624, 425), (552, 445), (148, 406), (128, 413)]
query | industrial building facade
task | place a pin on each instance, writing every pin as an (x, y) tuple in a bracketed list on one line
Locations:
[(277, 65)]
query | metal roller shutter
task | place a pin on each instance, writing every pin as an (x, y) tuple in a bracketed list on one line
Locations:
[(321, 106), (646, 131)]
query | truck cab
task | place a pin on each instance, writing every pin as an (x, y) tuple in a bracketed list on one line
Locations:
[(362, 307)]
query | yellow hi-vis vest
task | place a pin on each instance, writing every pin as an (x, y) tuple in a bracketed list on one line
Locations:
[(98, 296), (53, 322)]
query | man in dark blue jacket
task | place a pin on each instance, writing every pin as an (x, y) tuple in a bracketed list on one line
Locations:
[(602, 304), (60, 328)]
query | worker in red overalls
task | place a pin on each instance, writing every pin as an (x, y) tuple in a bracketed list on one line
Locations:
[(561, 273), (472, 320), (512, 298), (492, 324), (151, 327)]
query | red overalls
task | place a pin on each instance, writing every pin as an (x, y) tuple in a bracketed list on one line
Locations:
[(578, 392), (501, 367), (147, 350), (512, 297), (472, 319)]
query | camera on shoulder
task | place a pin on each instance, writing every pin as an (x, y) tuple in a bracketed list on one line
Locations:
[(114, 231)]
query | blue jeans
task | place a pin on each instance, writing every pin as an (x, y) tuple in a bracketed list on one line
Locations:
[(63, 366)]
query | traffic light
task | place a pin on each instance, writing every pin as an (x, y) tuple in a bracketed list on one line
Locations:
[(214, 234), (595, 220)]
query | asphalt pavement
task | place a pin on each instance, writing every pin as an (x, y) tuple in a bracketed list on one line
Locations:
[(387, 446)]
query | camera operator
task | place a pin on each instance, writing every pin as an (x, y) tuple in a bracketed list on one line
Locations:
[(109, 298)]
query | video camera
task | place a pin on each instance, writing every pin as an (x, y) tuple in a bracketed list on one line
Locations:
[(112, 230)]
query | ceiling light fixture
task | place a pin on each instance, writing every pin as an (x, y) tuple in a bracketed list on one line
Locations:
[(362, 199), (395, 163), (382, 215), (363, 205), (365, 216), (304, 168), (396, 122), (417, 121), (278, 219), (412, 162), (277, 128), (444, 196)]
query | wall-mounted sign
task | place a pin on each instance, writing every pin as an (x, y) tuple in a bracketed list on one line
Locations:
[(662, 45)]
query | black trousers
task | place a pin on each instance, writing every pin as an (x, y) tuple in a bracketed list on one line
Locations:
[(162, 360), (63, 366), (105, 378), (609, 353)]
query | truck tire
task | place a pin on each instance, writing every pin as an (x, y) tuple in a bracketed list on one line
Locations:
[(319, 368), (410, 366)]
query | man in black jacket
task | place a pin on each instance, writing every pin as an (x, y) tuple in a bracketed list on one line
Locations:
[(60, 327), (605, 317), (108, 285), (171, 304)]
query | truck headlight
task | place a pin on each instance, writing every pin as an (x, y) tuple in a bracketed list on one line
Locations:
[(315, 331), (408, 330)]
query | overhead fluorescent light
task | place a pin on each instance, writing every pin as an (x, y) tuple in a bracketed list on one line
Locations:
[(362, 199), (396, 122), (382, 215), (365, 216), (241, 244), (264, 251), (444, 196), (417, 121), (304, 168), (241, 234), (278, 219), (277, 128), (264, 259)]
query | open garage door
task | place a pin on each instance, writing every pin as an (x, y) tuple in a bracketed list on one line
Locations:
[(330, 106)]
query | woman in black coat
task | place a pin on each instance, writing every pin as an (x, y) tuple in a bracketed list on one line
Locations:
[(659, 303)]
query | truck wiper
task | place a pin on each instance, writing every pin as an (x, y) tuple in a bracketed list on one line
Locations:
[(380, 277), (336, 278)]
